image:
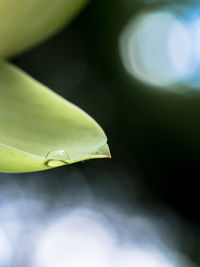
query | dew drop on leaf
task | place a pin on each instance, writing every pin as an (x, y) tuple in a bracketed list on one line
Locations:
[(55, 163), (57, 158), (58, 155)]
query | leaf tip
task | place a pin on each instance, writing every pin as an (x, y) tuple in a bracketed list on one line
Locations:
[(104, 151)]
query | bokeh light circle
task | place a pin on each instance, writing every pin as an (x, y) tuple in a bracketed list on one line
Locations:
[(156, 48)]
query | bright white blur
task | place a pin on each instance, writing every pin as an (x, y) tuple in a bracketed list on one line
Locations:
[(77, 239), (90, 234), (83, 238), (161, 49), (138, 257), (5, 249)]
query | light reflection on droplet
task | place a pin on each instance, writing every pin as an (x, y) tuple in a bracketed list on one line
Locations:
[(58, 155), (57, 158), (55, 163)]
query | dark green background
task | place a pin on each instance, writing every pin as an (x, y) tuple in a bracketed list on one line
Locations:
[(154, 135)]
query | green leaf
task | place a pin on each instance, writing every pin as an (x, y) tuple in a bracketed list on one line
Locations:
[(25, 23), (39, 129)]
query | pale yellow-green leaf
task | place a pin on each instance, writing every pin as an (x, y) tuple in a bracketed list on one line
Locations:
[(23, 23), (39, 129)]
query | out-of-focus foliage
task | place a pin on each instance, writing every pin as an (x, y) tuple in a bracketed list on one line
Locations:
[(25, 23)]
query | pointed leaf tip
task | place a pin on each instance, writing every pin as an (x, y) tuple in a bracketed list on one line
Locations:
[(40, 129), (104, 151)]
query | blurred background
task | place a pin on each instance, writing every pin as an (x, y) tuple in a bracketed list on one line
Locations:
[(134, 66)]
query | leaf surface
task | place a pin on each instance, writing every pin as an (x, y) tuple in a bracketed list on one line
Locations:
[(24, 23), (39, 129)]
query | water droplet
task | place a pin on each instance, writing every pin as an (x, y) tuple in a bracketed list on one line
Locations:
[(58, 155), (57, 158), (55, 163)]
